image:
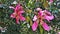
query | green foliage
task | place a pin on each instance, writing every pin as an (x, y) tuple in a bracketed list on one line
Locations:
[(13, 28)]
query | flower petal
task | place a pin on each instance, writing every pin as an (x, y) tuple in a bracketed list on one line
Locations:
[(58, 32), (22, 18), (51, 1), (11, 7), (46, 27), (49, 17), (35, 18), (34, 26), (21, 12), (47, 12), (13, 15), (17, 20)]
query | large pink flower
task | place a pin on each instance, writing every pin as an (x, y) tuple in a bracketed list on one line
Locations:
[(34, 26), (42, 14), (18, 10), (46, 27)]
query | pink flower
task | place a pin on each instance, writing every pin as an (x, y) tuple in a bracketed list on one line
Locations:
[(35, 18), (18, 10), (42, 14), (51, 1), (34, 26), (46, 27), (58, 32)]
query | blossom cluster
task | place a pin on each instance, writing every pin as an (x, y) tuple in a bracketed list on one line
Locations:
[(37, 19)]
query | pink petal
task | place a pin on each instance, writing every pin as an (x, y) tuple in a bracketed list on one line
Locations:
[(34, 26), (51, 1), (21, 11), (35, 18), (58, 32), (17, 8), (47, 12), (22, 18), (11, 7), (49, 17), (17, 20), (41, 13), (13, 15), (46, 27)]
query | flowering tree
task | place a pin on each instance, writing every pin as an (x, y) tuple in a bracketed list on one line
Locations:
[(29, 17)]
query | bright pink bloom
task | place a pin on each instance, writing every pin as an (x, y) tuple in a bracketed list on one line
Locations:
[(34, 26), (46, 27), (18, 10), (35, 18), (43, 15)]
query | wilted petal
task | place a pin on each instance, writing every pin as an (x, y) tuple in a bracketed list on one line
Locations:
[(34, 26), (46, 27), (35, 18)]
